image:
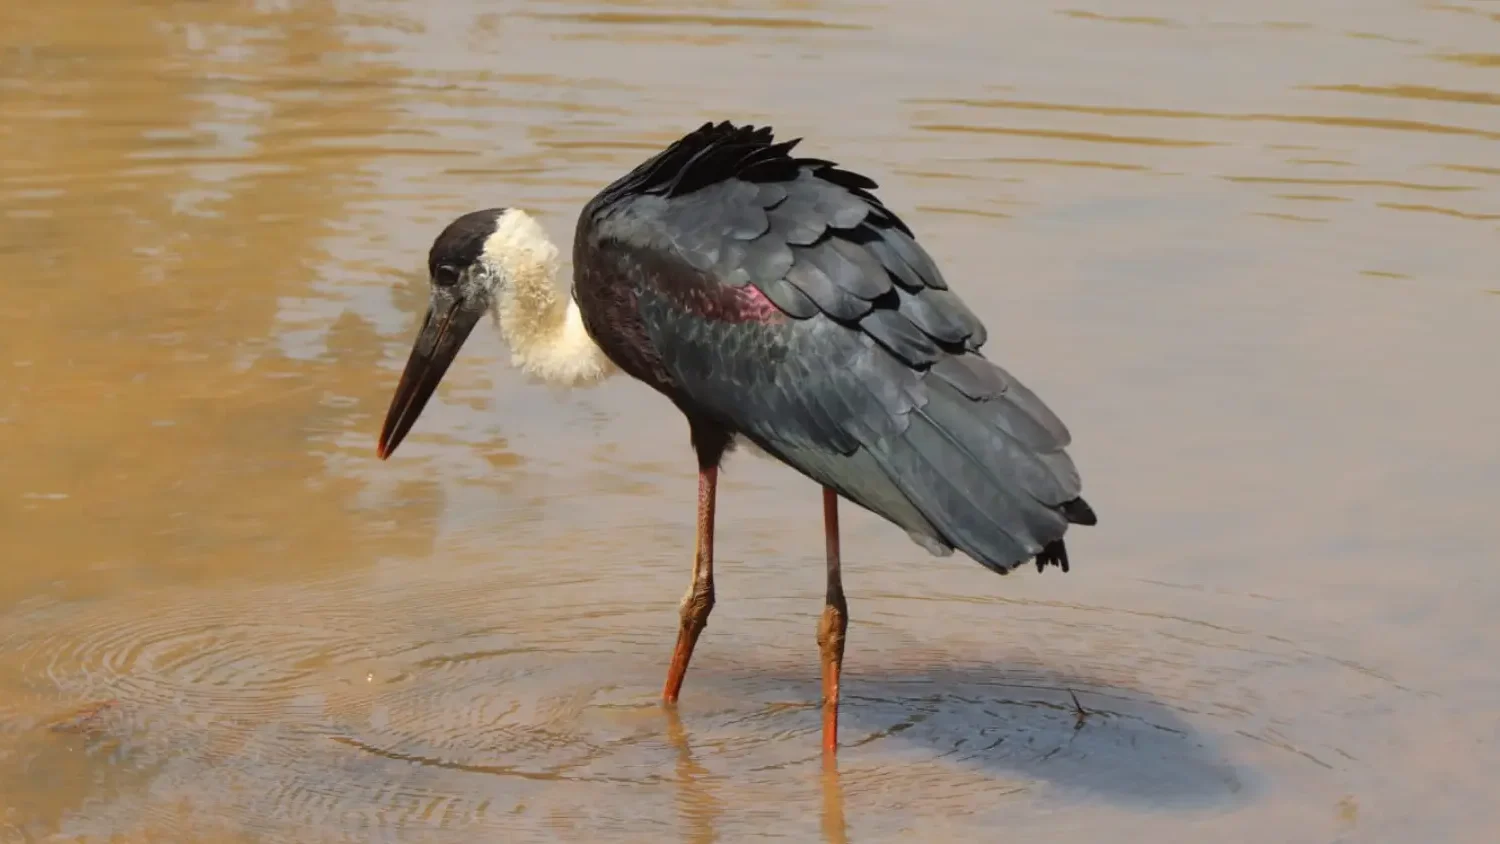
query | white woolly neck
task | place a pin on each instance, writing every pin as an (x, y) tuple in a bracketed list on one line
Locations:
[(541, 324)]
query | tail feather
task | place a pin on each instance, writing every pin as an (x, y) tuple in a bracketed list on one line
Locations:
[(1077, 512), (1056, 553), (1023, 476), (955, 495), (985, 491), (982, 472)]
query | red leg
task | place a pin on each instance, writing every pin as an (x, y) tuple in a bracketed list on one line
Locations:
[(832, 626), (699, 600)]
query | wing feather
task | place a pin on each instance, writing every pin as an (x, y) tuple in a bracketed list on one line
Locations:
[(867, 377)]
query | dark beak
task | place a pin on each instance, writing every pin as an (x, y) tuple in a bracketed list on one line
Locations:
[(444, 330)]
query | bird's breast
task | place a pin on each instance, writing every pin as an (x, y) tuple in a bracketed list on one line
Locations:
[(612, 318), (745, 304)]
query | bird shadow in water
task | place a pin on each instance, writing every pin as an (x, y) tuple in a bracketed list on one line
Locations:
[(1088, 739)]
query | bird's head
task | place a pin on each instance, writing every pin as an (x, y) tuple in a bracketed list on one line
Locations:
[(467, 271)]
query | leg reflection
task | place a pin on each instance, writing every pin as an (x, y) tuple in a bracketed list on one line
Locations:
[(697, 805), (834, 829)]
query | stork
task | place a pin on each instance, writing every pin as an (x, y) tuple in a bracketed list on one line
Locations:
[(775, 301)]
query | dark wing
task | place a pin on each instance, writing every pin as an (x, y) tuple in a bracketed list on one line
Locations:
[(783, 300)]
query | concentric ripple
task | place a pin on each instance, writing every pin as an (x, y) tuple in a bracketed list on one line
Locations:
[(350, 708)]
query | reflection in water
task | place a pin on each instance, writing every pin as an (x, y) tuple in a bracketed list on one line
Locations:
[(1413, 92), (172, 423), (1136, 19), (1263, 299), (698, 806), (835, 829), (1156, 113), (701, 809), (684, 20), (1061, 135)]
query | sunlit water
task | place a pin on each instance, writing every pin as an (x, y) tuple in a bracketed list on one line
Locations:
[(1248, 251)]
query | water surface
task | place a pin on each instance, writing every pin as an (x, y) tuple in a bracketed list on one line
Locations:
[(1248, 251)]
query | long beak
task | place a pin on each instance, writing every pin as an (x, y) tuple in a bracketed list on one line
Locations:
[(444, 330)]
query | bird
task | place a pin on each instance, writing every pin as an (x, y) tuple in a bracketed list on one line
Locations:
[(778, 304)]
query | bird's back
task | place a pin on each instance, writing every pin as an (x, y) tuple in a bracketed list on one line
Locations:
[(776, 297)]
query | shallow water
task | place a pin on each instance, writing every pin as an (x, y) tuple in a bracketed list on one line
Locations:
[(1247, 251)]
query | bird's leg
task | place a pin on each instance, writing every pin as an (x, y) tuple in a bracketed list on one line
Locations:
[(831, 628), (699, 600)]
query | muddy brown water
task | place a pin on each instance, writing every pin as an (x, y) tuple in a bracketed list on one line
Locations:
[(1250, 252)]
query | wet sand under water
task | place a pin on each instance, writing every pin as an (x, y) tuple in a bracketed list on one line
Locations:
[(1248, 253)]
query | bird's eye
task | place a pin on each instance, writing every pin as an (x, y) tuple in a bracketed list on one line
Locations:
[(445, 276)]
